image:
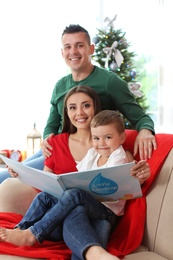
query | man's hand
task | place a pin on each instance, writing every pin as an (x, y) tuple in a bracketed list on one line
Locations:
[(145, 143), (46, 147)]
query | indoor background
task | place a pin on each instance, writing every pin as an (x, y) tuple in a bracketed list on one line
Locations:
[(31, 62)]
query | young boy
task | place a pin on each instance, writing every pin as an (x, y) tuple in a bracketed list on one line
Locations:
[(108, 135)]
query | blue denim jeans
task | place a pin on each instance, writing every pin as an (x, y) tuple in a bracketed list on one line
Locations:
[(76, 217), (79, 233), (35, 161)]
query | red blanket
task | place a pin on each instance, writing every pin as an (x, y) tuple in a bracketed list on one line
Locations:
[(125, 238)]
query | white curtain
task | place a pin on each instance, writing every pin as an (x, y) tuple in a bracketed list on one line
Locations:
[(165, 52)]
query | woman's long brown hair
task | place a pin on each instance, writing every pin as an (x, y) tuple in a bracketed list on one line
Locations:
[(67, 126)]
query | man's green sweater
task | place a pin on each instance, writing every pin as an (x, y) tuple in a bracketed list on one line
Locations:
[(113, 92)]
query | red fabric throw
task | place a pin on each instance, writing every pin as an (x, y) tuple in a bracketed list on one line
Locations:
[(129, 233), (48, 250), (125, 238)]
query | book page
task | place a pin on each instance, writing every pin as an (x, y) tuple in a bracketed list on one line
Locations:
[(44, 181)]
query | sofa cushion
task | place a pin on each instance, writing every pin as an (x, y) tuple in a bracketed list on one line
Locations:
[(144, 256), (15, 196), (158, 235)]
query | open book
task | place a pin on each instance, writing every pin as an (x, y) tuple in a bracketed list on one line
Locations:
[(105, 184)]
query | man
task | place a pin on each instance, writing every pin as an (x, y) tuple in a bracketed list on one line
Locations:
[(113, 92)]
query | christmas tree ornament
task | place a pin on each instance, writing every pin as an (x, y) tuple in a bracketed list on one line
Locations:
[(117, 54), (113, 66), (133, 73), (110, 23), (95, 39), (124, 44), (135, 88)]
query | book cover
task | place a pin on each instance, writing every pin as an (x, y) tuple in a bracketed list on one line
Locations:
[(105, 184)]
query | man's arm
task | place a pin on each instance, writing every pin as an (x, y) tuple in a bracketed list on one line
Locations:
[(128, 106), (52, 127), (145, 143), (53, 124)]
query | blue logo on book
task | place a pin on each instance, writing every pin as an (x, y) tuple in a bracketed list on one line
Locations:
[(103, 186)]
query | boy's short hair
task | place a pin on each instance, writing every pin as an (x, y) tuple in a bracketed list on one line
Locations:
[(106, 117)]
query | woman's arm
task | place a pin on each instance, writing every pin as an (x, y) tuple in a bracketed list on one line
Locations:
[(140, 170), (47, 169)]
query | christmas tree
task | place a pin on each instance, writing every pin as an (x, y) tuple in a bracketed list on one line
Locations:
[(112, 52)]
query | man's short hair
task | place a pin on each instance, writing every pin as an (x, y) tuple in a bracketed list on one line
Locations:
[(75, 28)]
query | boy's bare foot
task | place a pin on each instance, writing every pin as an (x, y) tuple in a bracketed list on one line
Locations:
[(17, 236), (97, 252)]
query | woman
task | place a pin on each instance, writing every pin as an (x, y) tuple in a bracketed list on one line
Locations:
[(80, 106)]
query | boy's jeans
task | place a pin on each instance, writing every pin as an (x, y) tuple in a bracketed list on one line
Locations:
[(76, 217), (79, 233)]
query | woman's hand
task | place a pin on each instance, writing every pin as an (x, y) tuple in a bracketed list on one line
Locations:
[(141, 170), (46, 147), (12, 173)]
